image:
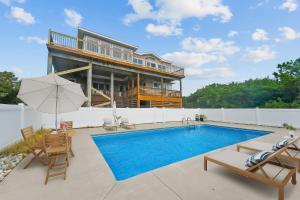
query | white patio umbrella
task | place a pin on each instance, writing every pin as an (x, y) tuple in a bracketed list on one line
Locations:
[(51, 94), (115, 112)]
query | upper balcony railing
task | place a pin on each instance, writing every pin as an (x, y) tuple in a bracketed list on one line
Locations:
[(105, 49)]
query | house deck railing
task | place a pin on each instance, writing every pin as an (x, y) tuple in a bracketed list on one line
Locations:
[(90, 46)]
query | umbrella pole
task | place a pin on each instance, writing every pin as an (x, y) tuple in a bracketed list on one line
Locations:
[(56, 108)]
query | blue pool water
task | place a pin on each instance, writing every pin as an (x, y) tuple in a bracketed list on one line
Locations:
[(135, 152)]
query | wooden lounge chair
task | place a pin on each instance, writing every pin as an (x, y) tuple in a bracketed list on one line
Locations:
[(108, 124), (291, 153), (125, 124), (36, 148), (67, 126), (268, 171), (56, 146)]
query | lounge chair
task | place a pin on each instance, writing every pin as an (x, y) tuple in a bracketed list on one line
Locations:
[(125, 124), (291, 153), (35, 147), (267, 171), (109, 125), (56, 146)]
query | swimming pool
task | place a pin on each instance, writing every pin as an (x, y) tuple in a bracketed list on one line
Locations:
[(131, 153)]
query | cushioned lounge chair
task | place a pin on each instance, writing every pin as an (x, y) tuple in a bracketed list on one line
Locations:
[(270, 172), (291, 153), (125, 124), (109, 125)]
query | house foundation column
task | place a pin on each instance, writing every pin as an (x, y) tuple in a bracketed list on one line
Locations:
[(49, 64), (138, 90), (111, 89), (89, 85)]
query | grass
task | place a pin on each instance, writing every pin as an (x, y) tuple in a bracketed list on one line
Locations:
[(20, 146)]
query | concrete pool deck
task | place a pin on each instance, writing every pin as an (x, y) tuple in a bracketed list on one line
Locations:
[(89, 177)]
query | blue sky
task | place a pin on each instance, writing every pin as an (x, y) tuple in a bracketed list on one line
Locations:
[(215, 40)]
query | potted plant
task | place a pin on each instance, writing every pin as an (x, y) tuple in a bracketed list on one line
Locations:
[(202, 117), (290, 128)]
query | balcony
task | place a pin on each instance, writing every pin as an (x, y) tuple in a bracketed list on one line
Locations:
[(104, 51)]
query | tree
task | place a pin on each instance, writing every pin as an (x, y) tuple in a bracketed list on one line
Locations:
[(281, 92), (9, 87), (288, 76)]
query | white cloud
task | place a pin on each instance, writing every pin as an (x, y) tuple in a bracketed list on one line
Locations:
[(218, 72), (174, 11), (197, 52), (8, 2), (72, 18), (289, 5), (31, 39), (259, 54), (232, 33), (214, 46), (259, 35), (288, 33), (21, 16), (163, 29), (193, 61)]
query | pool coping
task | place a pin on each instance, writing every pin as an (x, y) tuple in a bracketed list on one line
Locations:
[(151, 129)]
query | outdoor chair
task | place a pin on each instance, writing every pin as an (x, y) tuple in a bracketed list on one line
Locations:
[(291, 153), (125, 124), (35, 147), (56, 147), (109, 125), (67, 127), (270, 171)]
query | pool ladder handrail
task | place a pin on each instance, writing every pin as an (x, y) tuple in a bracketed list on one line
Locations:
[(188, 120)]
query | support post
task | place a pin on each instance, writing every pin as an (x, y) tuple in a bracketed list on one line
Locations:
[(138, 90), (180, 83), (180, 88), (49, 65), (112, 89), (161, 86), (89, 85)]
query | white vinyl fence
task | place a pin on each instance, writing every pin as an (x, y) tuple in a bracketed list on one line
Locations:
[(15, 117)]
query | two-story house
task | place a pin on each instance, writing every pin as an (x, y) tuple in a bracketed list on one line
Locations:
[(110, 70)]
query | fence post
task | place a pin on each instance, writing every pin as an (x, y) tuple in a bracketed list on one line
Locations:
[(257, 117), (21, 105), (223, 114)]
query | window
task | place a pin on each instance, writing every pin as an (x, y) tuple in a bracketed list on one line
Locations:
[(121, 88), (105, 48), (98, 86), (153, 65), (148, 64), (155, 85), (140, 61), (135, 60), (127, 54), (117, 52), (91, 44)]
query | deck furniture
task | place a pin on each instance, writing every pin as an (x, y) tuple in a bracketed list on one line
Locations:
[(109, 125), (291, 153), (67, 126), (56, 147), (35, 147), (270, 171), (125, 124)]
